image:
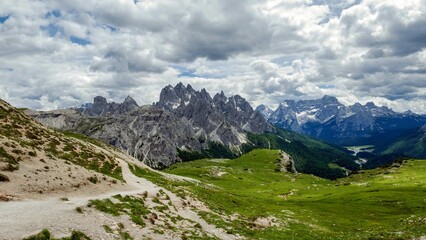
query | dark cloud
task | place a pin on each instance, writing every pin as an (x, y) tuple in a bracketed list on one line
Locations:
[(121, 59), (229, 28), (374, 53)]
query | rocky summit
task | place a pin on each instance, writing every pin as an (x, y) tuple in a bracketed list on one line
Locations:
[(184, 120), (222, 119), (101, 107), (327, 119)]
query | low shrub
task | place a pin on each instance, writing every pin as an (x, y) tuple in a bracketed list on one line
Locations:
[(4, 178)]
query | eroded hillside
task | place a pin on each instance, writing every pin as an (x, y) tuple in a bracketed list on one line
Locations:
[(35, 159)]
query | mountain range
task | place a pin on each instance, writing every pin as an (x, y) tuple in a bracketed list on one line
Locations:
[(221, 119), (186, 124), (329, 120), (183, 121)]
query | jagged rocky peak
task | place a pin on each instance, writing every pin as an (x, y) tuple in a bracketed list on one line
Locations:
[(327, 119), (99, 100), (294, 114), (129, 100), (240, 103), (179, 97), (173, 97), (409, 112), (264, 110), (101, 107), (205, 95), (326, 99), (220, 97), (128, 105), (214, 118), (371, 109), (370, 105), (235, 102)]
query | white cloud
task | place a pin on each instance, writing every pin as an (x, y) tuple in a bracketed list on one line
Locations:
[(63, 53)]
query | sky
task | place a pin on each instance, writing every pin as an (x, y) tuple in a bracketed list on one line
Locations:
[(58, 54)]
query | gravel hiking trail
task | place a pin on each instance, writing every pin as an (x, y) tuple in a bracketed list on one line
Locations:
[(19, 219)]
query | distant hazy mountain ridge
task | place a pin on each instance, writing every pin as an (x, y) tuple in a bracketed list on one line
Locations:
[(329, 120)]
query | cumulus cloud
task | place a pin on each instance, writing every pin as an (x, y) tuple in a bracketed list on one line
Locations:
[(56, 54)]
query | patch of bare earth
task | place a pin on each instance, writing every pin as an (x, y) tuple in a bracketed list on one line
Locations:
[(265, 222), (42, 178), (37, 162)]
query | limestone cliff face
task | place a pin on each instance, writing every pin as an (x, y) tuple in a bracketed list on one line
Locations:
[(221, 119), (149, 134), (183, 119)]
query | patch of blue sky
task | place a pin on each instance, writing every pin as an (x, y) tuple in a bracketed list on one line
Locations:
[(284, 60), (326, 86), (55, 13), (189, 73), (52, 29), (6, 69), (111, 28), (183, 71), (336, 7), (79, 41), (3, 19)]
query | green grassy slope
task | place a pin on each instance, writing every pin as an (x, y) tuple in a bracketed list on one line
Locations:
[(412, 144), (375, 204), (311, 156)]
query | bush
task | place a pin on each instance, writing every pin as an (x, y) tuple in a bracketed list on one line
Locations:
[(93, 179), (10, 167), (4, 178), (43, 235), (79, 209)]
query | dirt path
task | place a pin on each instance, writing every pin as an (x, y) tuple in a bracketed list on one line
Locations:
[(22, 218), (184, 212)]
